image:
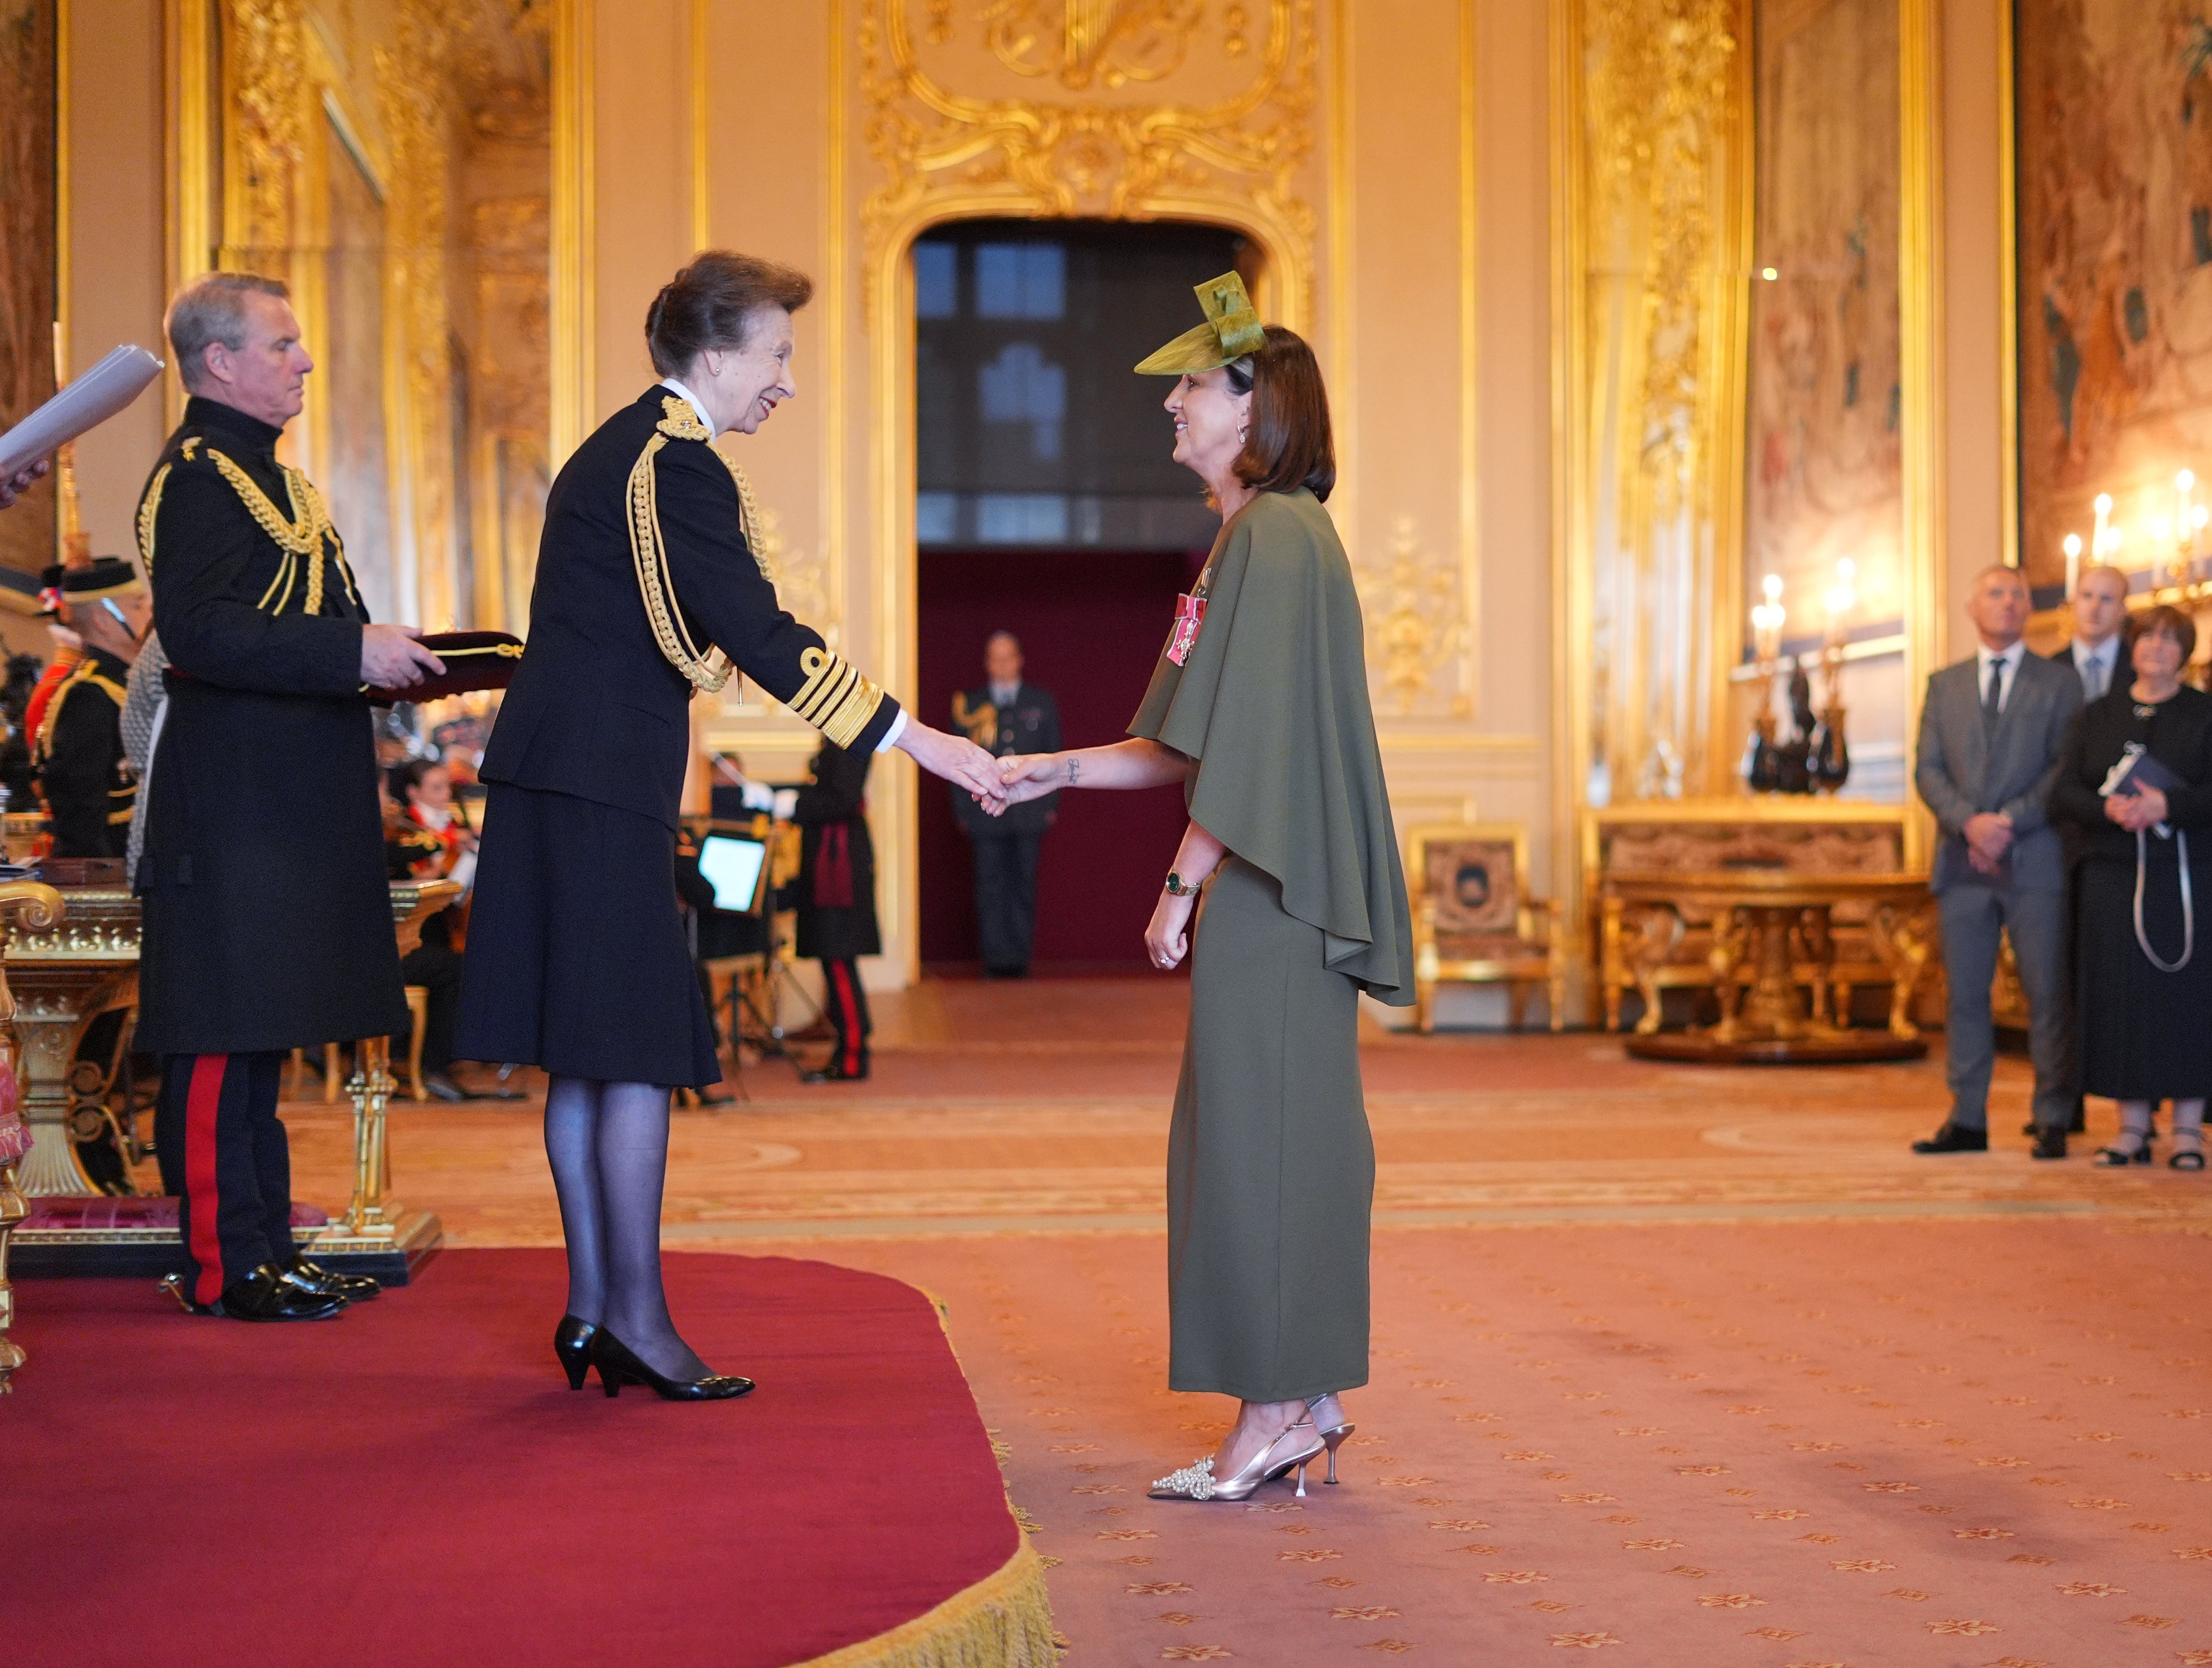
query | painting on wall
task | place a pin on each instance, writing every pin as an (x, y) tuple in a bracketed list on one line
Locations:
[(27, 256), (2113, 118), (1823, 469)]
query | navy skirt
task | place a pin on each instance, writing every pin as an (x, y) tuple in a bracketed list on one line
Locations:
[(577, 960)]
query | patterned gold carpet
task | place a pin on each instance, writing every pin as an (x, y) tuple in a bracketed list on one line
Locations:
[(1673, 1364)]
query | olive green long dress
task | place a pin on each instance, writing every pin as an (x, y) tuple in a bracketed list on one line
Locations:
[(1271, 1170)]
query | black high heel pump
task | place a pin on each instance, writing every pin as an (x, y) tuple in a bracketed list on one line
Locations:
[(572, 1348), (618, 1365)]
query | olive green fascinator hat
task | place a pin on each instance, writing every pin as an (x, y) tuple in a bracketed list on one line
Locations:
[(1231, 331)]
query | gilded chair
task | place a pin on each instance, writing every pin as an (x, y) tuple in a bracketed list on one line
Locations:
[(1475, 922)]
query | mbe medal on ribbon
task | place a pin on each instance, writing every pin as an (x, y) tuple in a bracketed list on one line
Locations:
[(1189, 612)]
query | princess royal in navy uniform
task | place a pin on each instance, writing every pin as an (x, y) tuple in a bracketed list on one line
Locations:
[(648, 591)]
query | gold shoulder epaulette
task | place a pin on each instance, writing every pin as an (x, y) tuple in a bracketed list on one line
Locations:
[(835, 699)]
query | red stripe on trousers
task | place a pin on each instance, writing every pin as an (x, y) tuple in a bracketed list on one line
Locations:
[(201, 1101), (843, 982)]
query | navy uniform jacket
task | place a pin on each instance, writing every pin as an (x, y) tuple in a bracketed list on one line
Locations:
[(88, 781), (596, 710), (1030, 723), (268, 918)]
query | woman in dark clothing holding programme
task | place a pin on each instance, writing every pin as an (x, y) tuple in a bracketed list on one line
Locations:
[(2146, 985), (647, 590), (1259, 707)]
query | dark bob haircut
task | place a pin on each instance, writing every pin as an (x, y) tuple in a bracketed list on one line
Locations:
[(1290, 445), (2173, 621), (711, 302)]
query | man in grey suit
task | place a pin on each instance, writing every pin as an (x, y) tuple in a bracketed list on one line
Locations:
[(1990, 731)]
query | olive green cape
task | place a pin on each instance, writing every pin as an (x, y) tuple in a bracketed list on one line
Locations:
[(1272, 701)]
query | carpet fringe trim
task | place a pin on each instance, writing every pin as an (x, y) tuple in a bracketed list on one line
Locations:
[(1004, 1620)]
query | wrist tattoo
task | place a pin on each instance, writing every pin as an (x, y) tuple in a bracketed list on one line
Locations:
[(1074, 771)]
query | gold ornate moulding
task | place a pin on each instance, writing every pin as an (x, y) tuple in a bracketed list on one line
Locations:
[(1176, 112)]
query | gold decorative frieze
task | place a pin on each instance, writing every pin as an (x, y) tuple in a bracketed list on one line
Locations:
[(1173, 123), (1414, 622), (1112, 42)]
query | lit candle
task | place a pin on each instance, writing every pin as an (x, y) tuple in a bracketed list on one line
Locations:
[(2100, 542), (2073, 562), (1767, 618)]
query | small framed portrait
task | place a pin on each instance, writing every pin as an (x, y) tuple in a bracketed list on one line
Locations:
[(1474, 879)]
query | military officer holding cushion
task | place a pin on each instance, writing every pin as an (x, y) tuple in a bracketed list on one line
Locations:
[(268, 920)]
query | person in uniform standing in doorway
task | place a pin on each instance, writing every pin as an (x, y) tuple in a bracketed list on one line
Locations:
[(268, 920), (1006, 716), (836, 901), (89, 786)]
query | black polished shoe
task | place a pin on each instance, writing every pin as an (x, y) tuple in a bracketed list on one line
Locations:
[(572, 1348), (618, 1365), (834, 1072), (2050, 1144), (320, 1281), (263, 1294), (1955, 1138), (2077, 1124)]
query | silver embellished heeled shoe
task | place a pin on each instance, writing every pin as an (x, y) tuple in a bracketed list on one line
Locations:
[(1334, 1437), (1198, 1482)]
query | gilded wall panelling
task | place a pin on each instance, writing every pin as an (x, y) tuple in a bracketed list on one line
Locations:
[(575, 302), (1920, 325), (1411, 598)]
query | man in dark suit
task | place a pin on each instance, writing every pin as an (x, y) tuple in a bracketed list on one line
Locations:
[(1006, 716), (2096, 654), (1991, 731), (268, 920)]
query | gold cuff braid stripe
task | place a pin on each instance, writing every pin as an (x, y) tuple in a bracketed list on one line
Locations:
[(835, 698), (709, 670)]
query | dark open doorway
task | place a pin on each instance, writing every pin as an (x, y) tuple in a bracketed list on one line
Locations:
[(1049, 506)]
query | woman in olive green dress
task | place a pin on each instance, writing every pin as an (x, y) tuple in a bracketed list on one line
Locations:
[(1259, 707)]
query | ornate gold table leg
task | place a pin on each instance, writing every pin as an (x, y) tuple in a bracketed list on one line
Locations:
[(370, 1087), (375, 1224), (1898, 942), (41, 907)]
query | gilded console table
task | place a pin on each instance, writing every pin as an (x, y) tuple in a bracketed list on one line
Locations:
[(1779, 925), (65, 974), (40, 906)]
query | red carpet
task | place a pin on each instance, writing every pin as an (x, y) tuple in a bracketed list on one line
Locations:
[(416, 1483)]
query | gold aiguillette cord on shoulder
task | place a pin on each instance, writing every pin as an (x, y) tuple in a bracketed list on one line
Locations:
[(302, 534), (710, 670)]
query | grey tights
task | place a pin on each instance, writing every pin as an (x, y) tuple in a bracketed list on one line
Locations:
[(2135, 1126), (608, 1144)]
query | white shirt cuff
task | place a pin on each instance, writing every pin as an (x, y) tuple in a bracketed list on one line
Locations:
[(891, 735)]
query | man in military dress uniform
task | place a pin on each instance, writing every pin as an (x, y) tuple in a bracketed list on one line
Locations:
[(78, 750), (1006, 716), (268, 920), (836, 901)]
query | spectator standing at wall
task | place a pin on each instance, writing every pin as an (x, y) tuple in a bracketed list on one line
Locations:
[(1991, 729), (1007, 716)]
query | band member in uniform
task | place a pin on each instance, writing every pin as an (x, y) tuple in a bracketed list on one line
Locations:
[(836, 900), (88, 783), (268, 920), (648, 590), (1008, 715), (425, 837)]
